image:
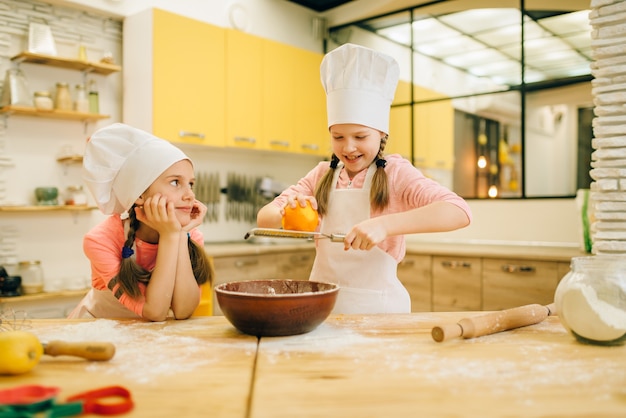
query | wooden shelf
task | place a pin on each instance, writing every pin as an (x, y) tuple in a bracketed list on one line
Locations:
[(70, 159), (51, 114), (44, 296), (47, 208), (72, 64)]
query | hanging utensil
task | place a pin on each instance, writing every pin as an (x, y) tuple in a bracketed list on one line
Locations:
[(285, 233)]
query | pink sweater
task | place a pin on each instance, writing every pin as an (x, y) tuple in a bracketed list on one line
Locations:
[(408, 189), (103, 246)]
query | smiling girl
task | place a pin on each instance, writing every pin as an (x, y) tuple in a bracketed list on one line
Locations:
[(147, 258), (374, 199)]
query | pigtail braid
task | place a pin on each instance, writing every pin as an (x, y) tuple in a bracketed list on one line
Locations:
[(379, 194), (322, 191), (131, 272), (200, 263)]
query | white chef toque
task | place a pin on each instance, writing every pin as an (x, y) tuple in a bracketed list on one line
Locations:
[(121, 162), (360, 84)]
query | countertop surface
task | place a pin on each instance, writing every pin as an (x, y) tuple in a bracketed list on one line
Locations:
[(522, 251), (350, 366)]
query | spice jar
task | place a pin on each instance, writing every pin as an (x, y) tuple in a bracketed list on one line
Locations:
[(82, 103), (63, 99), (43, 100), (75, 196), (32, 276), (591, 299)]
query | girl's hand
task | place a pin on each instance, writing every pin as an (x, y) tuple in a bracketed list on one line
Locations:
[(158, 214), (365, 235), (299, 200), (197, 215)]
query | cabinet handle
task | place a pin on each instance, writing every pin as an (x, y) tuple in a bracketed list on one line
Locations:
[(299, 258), (310, 147), (246, 263), (456, 264), (245, 139), (512, 268), (279, 143), (183, 134)]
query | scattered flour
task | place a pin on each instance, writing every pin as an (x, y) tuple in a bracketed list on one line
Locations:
[(139, 353)]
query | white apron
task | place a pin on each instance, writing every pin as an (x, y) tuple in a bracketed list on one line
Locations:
[(367, 279)]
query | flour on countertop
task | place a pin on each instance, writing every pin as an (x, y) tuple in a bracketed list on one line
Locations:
[(139, 353)]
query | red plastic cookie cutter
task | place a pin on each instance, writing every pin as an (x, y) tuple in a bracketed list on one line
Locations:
[(110, 400), (27, 394)]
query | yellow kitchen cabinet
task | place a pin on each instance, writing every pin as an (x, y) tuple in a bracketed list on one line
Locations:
[(176, 64), (399, 141), (508, 283), (456, 283), (311, 122), (244, 86), (433, 131), (279, 81), (415, 273)]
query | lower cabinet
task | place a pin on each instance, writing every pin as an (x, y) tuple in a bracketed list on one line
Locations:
[(508, 283), (456, 283), (415, 273), (435, 282)]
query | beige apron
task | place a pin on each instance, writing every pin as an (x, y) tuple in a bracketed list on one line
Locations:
[(102, 303), (367, 279)]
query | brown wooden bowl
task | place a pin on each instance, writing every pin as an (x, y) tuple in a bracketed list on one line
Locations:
[(276, 307)]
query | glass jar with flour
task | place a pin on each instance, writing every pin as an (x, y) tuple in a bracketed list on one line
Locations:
[(591, 299)]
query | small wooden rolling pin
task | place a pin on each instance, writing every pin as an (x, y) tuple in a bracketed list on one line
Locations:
[(97, 351), (493, 322)]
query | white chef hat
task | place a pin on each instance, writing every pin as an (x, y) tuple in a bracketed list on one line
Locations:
[(121, 162), (360, 84)]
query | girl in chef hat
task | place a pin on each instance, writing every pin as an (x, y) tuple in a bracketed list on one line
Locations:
[(374, 199), (147, 258)]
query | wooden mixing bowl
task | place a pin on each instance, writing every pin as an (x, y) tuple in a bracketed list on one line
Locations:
[(276, 307)]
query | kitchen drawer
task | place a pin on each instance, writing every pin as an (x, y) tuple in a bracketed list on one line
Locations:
[(295, 265), (416, 275), (509, 282), (237, 268), (456, 283)]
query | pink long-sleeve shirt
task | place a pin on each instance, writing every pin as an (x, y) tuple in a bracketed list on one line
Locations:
[(103, 246), (408, 189)]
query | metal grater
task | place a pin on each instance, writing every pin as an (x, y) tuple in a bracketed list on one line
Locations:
[(285, 233)]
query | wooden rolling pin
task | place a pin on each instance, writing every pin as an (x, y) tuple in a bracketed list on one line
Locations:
[(493, 322), (98, 351)]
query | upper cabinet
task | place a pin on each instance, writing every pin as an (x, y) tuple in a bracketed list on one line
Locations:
[(244, 89), (221, 87), (176, 64)]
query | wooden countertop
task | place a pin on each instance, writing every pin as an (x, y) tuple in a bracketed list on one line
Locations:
[(350, 366)]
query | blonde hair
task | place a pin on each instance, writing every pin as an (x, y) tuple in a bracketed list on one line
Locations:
[(379, 194), (131, 273)]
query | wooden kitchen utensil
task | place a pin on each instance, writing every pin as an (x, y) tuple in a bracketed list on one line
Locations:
[(493, 322), (285, 233), (98, 351)]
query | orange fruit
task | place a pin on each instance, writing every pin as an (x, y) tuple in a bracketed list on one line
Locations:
[(301, 218)]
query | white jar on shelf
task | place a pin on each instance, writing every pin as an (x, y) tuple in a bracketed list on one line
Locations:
[(32, 276)]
